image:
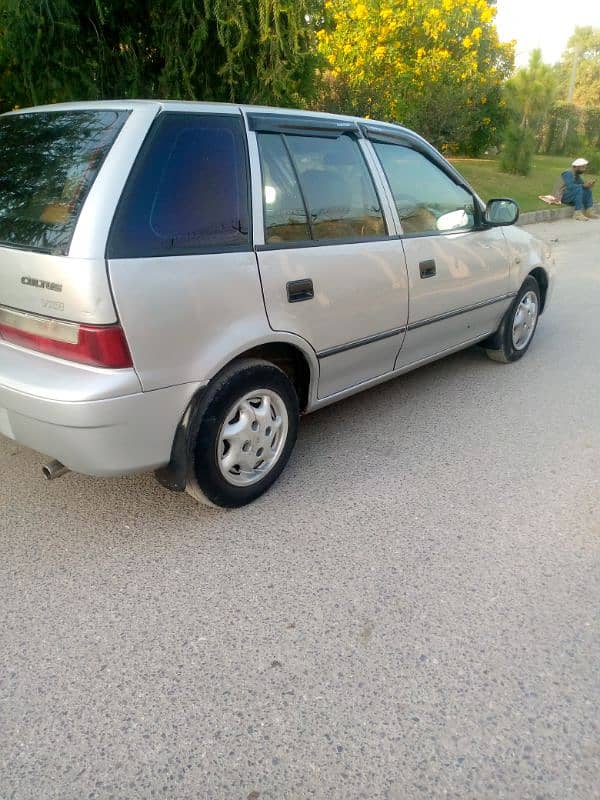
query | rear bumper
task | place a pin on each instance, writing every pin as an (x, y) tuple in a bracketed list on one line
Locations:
[(76, 420)]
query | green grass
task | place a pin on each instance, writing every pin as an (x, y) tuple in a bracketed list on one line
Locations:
[(485, 177)]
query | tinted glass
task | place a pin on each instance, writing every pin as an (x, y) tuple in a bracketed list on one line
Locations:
[(285, 214), (48, 162), (426, 198), (337, 187), (187, 192)]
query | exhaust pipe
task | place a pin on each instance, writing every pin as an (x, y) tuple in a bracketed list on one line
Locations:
[(54, 469)]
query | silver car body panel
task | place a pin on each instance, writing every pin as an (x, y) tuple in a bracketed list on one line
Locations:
[(527, 253), (186, 317), (256, 193), (357, 319), (466, 297), (319, 403), (61, 287), (108, 437), (372, 318), (95, 421), (39, 375)]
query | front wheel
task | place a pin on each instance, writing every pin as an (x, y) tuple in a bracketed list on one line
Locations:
[(518, 326), (245, 436)]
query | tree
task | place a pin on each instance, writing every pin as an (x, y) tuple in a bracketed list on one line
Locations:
[(436, 65), (240, 50), (529, 96), (531, 92), (226, 50), (518, 147), (579, 69), (575, 118), (560, 133)]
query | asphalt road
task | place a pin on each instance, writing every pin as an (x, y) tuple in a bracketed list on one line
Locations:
[(412, 612)]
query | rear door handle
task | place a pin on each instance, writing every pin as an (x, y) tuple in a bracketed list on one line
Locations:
[(297, 291), (427, 268)]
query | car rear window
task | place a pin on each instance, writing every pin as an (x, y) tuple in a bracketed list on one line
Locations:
[(48, 162)]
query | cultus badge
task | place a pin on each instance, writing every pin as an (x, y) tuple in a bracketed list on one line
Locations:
[(38, 283)]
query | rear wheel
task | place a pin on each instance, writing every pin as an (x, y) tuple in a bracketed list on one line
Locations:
[(245, 436), (518, 326)]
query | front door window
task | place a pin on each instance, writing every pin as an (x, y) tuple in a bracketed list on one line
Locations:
[(427, 200)]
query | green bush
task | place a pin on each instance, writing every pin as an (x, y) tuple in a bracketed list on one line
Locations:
[(517, 150)]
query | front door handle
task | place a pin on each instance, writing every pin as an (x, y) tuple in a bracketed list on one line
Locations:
[(427, 268), (297, 291)]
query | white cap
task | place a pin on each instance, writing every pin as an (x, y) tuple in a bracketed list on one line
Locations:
[(580, 162)]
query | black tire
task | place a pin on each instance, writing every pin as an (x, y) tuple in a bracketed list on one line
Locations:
[(507, 351), (206, 479)]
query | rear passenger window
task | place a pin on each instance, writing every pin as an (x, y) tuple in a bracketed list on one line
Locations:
[(188, 192), (285, 214), (318, 188)]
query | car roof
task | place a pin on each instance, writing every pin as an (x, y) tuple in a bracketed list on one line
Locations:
[(188, 105)]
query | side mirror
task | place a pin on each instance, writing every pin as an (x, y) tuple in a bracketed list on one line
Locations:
[(501, 211)]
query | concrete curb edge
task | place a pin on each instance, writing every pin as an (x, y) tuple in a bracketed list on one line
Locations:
[(549, 214)]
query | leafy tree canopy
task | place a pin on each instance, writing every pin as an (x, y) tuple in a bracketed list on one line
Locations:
[(436, 65), (531, 91), (226, 50), (579, 69)]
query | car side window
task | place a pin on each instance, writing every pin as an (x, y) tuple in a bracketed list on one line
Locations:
[(318, 188), (188, 191), (285, 213), (427, 200)]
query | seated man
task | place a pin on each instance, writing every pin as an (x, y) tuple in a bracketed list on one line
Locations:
[(573, 191)]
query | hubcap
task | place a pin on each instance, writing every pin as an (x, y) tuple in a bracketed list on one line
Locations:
[(524, 320), (252, 437)]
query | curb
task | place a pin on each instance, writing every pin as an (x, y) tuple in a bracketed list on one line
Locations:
[(549, 214)]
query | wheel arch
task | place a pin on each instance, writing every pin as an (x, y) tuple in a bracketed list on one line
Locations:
[(541, 276), (291, 359), (493, 342)]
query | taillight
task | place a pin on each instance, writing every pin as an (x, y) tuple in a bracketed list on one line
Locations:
[(97, 345)]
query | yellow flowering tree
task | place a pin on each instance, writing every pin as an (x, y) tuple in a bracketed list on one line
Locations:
[(435, 65)]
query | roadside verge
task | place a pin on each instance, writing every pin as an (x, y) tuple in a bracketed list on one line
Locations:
[(549, 214)]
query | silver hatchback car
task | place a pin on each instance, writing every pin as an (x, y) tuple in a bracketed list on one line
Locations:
[(179, 282)]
